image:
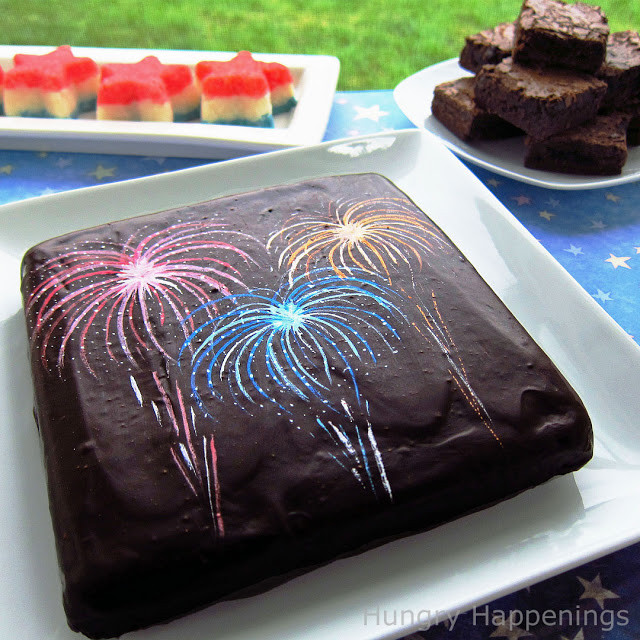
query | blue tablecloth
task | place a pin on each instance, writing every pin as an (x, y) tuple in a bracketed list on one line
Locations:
[(594, 235)]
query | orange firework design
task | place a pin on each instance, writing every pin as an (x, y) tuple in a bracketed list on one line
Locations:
[(372, 235), (436, 329)]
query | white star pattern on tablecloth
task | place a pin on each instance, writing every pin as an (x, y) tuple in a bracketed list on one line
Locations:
[(576, 251), (547, 215), (509, 630), (492, 182), (62, 163), (618, 261), (101, 172), (7, 169), (595, 591), (370, 113), (598, 224), (612, 197), (603, 296), (552, 202)]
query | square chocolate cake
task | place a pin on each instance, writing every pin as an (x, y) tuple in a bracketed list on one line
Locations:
[(232, 392)]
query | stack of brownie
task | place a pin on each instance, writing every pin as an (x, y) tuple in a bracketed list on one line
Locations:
[(557, 75)]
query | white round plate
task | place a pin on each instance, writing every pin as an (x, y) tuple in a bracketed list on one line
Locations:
[(506, 157)]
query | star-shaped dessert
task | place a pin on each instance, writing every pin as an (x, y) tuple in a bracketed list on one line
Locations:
[(244, 91), (1, 91), (235, 92), (55, 85), (147, 90)]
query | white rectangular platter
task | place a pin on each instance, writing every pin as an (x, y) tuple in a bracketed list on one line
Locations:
[(315, 80), (452, 568)]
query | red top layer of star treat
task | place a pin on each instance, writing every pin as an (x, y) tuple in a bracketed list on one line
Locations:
[(50, 72), (277, 74), (241, 75), (148, 79), (125, 83), (176, 77)]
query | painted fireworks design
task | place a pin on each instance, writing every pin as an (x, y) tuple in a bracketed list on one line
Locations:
[(125, 291), (335, 310), (357, 451), (373, 236), (194, 454), (301, 340), (294, 338), (123, 294), (435, 330)]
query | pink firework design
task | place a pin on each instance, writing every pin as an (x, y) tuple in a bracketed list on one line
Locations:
[(126, 291), (194, 454)]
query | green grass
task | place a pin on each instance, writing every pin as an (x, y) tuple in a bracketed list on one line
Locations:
[(378, 42)]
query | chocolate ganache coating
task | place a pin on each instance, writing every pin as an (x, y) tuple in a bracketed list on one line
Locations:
[(233, 392)]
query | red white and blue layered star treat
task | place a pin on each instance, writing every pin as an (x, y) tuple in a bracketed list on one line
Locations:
[(55, 85), (281, 87), (148, 90), (245, 91), (231, 392), (235, 92)]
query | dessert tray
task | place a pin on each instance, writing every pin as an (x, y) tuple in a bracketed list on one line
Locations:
[(414, 95), (315, 79), (426, 577)]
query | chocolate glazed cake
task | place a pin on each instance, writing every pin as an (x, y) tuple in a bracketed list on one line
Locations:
[(233, 392)]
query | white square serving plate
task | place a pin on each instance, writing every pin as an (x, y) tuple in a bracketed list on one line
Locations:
[(465, 563), (315, 78)]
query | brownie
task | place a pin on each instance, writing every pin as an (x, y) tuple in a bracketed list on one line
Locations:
[(631, 109), (553, 33), (633, 132), (621, 69), (235, 391), (540, 102), (487, 47), (454, 106), (597, 147)]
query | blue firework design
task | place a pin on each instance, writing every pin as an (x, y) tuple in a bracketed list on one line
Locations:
[(357, 451), (296, 337)]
